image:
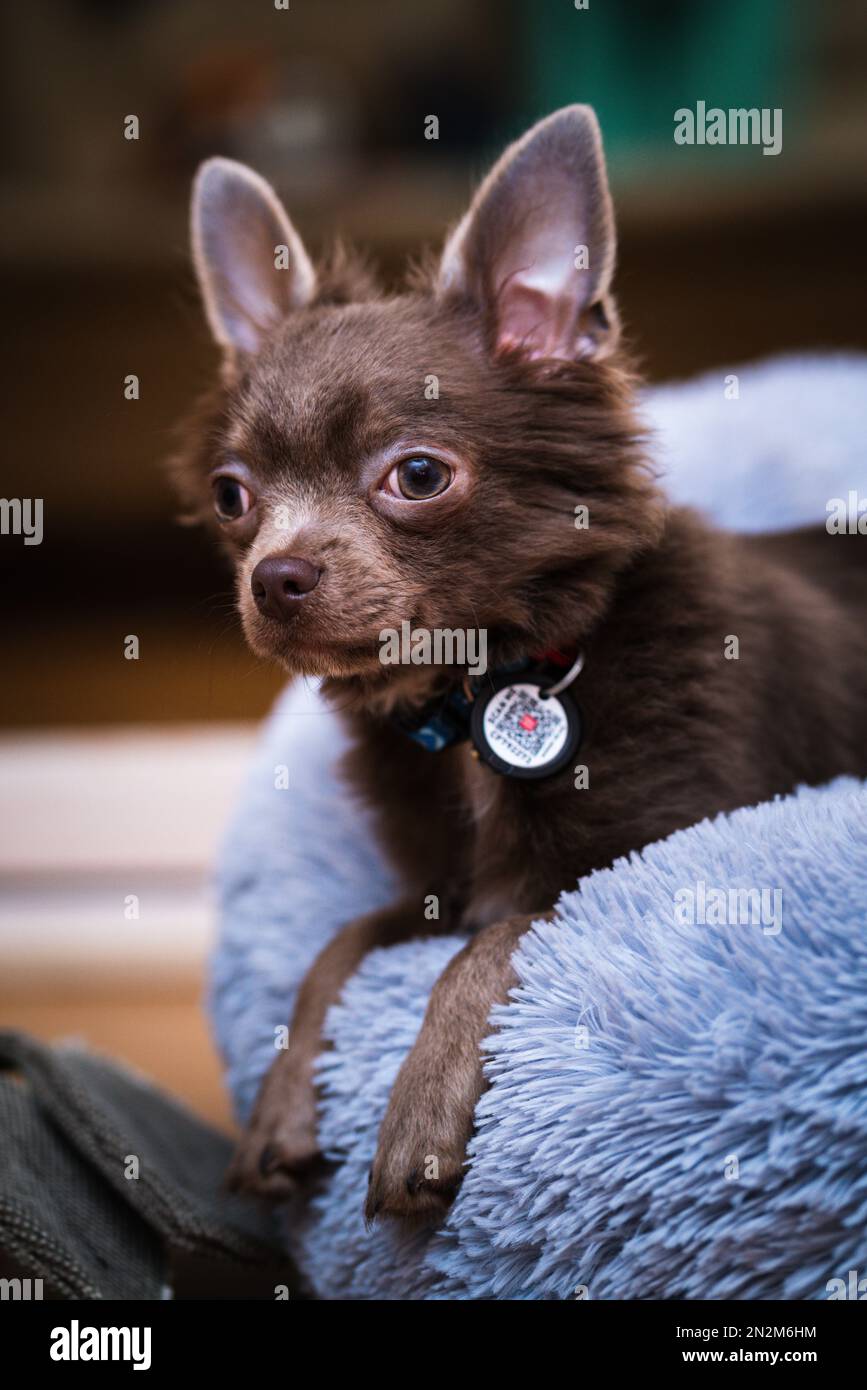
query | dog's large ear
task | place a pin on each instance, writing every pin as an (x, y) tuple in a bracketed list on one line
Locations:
[(251, 264), (536, 249)]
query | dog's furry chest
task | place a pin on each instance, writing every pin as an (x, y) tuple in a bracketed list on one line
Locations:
[(676, 730), (503, 872)]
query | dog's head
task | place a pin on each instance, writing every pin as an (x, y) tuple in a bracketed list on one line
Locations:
[(459, 456)]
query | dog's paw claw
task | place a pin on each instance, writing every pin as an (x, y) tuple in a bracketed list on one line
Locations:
[(273, 1168), (424, 1193), (269, 1159), (420, 1159)]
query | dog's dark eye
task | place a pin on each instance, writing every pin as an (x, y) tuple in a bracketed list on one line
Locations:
[(420, 477), (231, 499)]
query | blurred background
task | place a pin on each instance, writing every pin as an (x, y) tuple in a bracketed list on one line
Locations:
[(116, 773)]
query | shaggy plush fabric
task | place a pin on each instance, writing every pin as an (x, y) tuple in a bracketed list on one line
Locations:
[(679, 1108), (774, 456)]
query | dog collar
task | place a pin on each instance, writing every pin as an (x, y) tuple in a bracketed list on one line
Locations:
[(520, 718)]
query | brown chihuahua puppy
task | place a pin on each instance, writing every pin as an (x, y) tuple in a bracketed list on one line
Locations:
[(464, 457)]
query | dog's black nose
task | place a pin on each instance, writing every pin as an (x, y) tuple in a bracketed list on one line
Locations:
[(280, 583)]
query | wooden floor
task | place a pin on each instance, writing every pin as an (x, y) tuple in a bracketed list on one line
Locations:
[(106, 918)]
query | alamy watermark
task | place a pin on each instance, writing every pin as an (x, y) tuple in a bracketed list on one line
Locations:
[(853, 1287), (21, 1290), (705, 906), (737, 125), (22, 516), (846, 516), (439, 646)]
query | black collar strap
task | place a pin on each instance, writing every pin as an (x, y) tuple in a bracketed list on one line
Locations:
[(516, 716)]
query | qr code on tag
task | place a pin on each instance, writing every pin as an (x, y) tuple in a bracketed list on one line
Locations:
[(523, 727)]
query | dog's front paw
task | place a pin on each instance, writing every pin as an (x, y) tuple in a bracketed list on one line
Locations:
[(279, 1148), (421, 1154)]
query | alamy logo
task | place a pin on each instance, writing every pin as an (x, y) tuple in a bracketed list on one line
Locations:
[(739, 125), (851, 1287), (846, 516), (706, 906), (77, 1343), (22, 516), (439, 646), (21, 1290)]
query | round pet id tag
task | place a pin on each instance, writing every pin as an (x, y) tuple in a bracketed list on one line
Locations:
[(520, 732)]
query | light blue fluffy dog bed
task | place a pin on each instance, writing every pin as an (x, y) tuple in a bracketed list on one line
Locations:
[(677, 1111)]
